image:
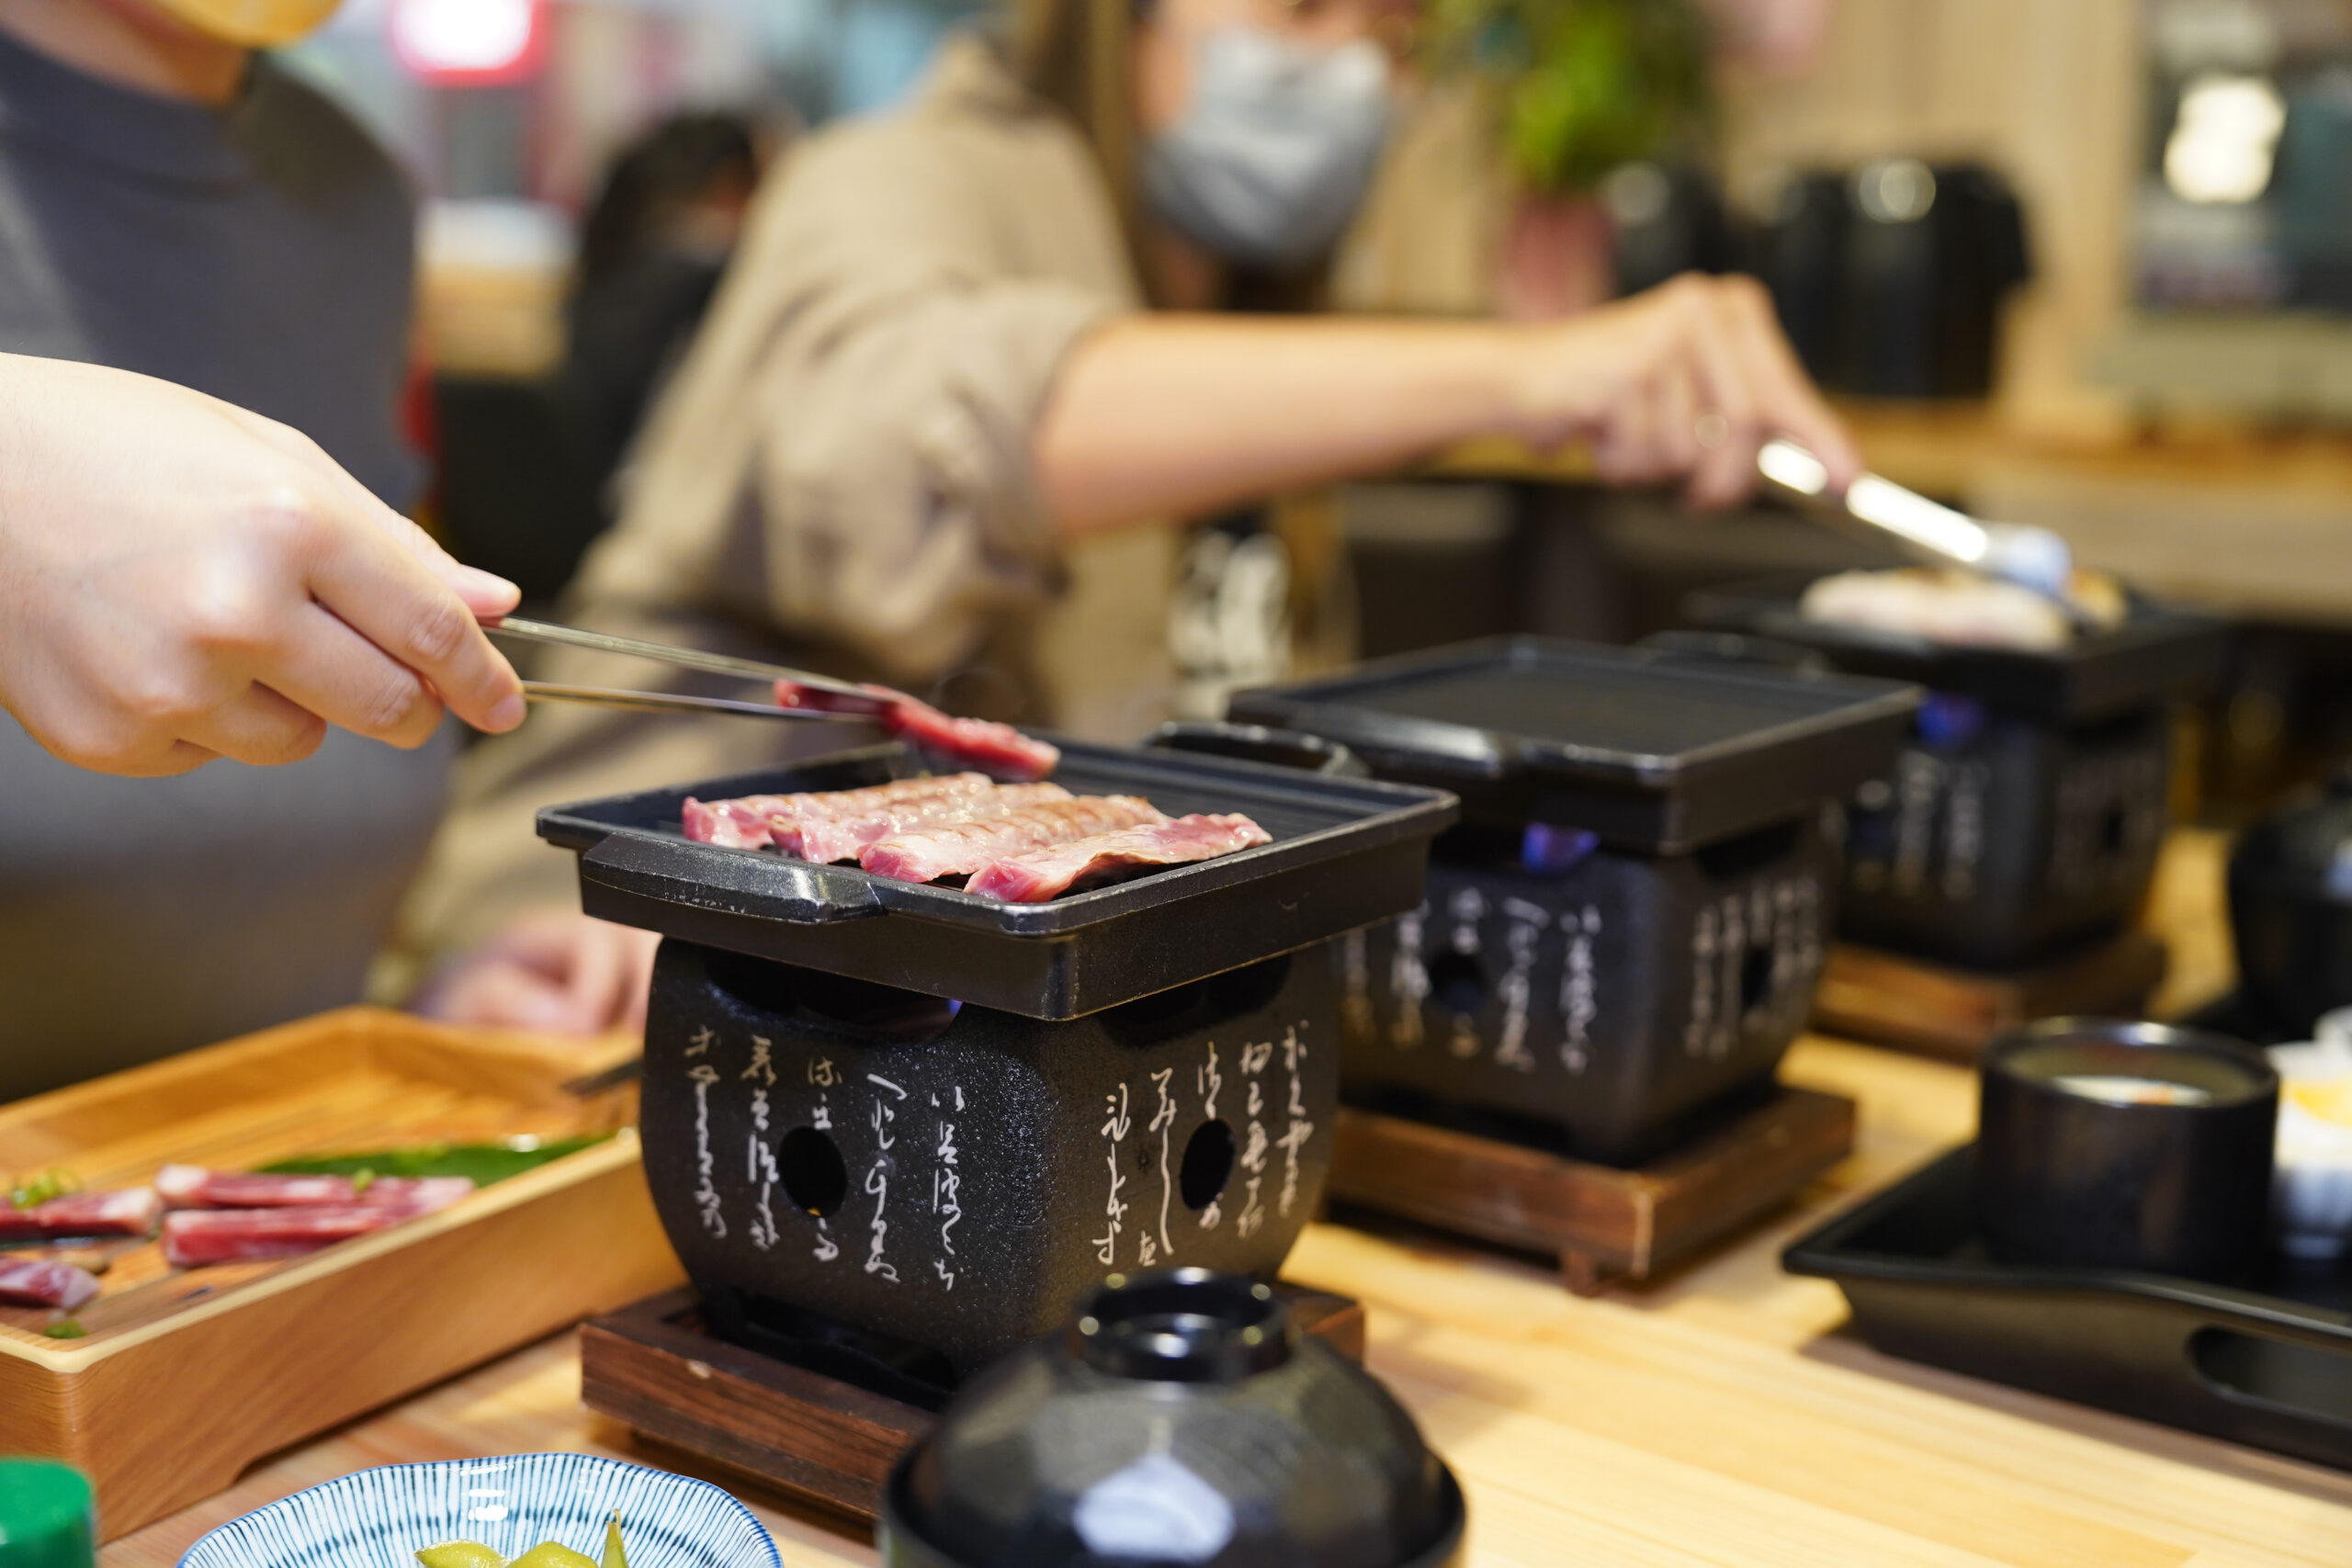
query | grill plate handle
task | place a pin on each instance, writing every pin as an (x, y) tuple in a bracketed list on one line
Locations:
[(703, 876)]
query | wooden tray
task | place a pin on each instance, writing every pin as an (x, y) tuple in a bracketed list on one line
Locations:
[(1951, 1013), (188, 1376), (811, 1437), (1603, 1223)]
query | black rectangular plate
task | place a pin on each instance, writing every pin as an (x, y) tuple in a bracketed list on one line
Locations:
[(2269, 1364), (2157, 654), (1642, 747), (1346, 853)]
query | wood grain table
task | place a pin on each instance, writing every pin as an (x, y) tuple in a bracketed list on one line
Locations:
[(1723, 1415)]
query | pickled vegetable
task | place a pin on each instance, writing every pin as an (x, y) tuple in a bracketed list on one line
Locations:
[(32, 1192), (460, 1554), (553, 1554), (614, 1556)]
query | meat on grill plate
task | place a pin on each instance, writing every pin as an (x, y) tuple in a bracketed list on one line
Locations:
[(1041, 874), (926, 854), (825, 839), (749, 823)]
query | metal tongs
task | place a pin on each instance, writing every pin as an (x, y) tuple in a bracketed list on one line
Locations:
[(868, 703), (2031, 557)]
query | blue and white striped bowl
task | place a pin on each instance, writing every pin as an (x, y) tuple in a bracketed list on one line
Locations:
[(378, 1518)]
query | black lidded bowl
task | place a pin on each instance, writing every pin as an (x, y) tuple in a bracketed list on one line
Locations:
[(2110, 1145), (1181, 1418)]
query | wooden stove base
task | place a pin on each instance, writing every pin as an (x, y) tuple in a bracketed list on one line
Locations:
[(1603, 1223), (1951, 1013), (814, 1437)]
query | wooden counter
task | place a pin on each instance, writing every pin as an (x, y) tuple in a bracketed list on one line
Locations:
[(1721, 1416)]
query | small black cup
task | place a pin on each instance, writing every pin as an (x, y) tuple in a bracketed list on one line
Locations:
[(1181, 1418), (2108, 1144)]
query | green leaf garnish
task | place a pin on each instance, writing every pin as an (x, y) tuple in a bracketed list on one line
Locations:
[(485, 1163), (65, 1329)]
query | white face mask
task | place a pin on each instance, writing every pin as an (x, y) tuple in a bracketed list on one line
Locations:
[(1272, 156)]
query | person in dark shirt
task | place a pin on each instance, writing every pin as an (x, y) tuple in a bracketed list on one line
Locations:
[(200, 577)]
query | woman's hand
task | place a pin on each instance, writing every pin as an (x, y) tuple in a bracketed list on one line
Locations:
[(181, 580), (1686, 381), (552, 970)]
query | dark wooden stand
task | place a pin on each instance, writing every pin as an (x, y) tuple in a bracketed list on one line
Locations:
[(1951, 1013), (811, 1437), (1603, 1223)]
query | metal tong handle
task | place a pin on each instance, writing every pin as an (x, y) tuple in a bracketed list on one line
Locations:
[(670, 702), (2031, 557), (664, 653)]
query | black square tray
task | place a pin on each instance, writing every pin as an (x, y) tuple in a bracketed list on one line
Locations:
[(1640, 746), (1346, 853), (2157, 654), (2268, 1365)]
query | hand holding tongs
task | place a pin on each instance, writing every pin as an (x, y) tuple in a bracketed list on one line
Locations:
[(865, 705), (2031, 557)]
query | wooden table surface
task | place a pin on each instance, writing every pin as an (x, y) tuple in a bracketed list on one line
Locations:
[(1722, 1415)]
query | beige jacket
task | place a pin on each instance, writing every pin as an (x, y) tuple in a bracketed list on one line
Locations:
[(839, 476)]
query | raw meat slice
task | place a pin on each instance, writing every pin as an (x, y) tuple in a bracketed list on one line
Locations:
[(746, 823), (929, 853), (802, 830), (997, 749), (192, 1236), (732, 824), (1039, 874), (827, 838), (128, 1211), (35, 1282), (193, 1186)]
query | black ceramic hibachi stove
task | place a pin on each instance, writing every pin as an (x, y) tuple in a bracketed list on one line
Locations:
[(896, 1130), (1629, 923), (2025, 815)]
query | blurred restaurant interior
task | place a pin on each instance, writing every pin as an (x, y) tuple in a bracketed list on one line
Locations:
[(1609, 917), (2083, 267)]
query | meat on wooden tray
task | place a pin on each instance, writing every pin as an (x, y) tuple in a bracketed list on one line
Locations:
[(32, 1281), (926, 854), (1041, 874), (194, 1236), (997, 749), (193, 1186), (128, 1211)]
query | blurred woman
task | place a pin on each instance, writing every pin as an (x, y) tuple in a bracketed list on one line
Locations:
[(963, 341)]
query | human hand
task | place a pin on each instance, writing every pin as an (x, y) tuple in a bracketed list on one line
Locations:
[(551, 970), (181, 580), (1685, 381)]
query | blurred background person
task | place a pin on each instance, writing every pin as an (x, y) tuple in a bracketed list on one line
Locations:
[(964, 344)]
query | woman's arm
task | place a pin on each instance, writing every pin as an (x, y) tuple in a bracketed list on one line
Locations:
[(1163, 415)]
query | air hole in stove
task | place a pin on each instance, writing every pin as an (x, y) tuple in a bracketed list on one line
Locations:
[(810, 1163), (1208, 1164), (2112, 822), (1458, 983), (1754, 978)]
